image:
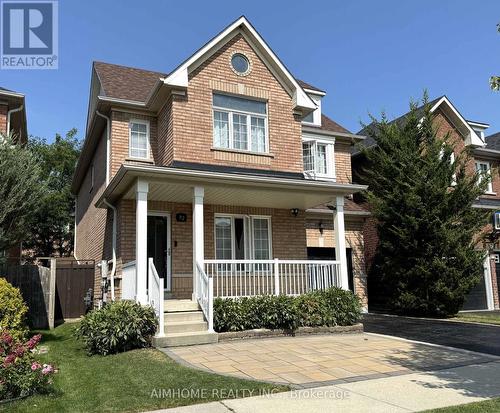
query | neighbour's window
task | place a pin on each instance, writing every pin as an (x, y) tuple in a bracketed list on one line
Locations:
[(309, 118), (139, 139), (240, 123), (238, 238), (318, 158), (484, 169)]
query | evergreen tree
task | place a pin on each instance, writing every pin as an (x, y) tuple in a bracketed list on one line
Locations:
[(421, 195)]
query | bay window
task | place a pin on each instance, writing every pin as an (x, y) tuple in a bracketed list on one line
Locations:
[(240, 123), (242, 237), (318, 157)]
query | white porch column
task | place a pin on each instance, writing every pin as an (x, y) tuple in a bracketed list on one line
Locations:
[(141, 241), (340, 250), (198, 237)]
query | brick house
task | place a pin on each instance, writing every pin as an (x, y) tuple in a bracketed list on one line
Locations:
[(486, 157), (13, 121), (220, 178)]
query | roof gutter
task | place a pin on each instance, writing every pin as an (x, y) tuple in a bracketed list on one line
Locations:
[(491, 152), (318, 131)]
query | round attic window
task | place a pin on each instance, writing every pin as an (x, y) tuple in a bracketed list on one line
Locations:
[(240, 64)]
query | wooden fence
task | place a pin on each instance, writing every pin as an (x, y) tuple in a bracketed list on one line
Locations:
[(37, 286)]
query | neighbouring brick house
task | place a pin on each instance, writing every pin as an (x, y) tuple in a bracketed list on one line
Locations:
[(13, 122), (486, 157), (221, 178)]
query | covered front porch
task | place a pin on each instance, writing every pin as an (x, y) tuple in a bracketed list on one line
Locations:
[(201, 235)]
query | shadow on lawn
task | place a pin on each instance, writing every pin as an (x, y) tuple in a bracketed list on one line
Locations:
[(473, 375)]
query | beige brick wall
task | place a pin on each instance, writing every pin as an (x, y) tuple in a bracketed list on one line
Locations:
[(354, 240), (288, 236), (343, 170), (192, 114), (120, 140), (94, 225)]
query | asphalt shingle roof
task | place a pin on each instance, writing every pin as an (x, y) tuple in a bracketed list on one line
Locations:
[(493, 141)]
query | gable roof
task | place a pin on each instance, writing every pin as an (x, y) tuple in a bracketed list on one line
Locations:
[(180, 76), (434, 105)]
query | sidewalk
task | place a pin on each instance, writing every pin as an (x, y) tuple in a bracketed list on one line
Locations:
[(405, 393)]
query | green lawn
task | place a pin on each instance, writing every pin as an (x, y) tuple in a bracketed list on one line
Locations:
[(126, 382), (480, 317), (489, 406)]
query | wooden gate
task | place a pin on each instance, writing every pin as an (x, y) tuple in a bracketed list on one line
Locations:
[(74, 288)]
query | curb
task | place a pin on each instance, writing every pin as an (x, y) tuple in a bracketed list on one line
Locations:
[(301, 331)]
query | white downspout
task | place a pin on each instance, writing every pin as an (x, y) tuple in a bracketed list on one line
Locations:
[(113, 268), (10, 112), (108, 143)]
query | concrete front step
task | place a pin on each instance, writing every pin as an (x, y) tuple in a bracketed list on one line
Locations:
[(181, 305), (185, 339), (186, 327), (183, 316)]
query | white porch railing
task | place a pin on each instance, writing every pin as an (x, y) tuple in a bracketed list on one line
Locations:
[(205, 294), (246, 278), (156, 295)]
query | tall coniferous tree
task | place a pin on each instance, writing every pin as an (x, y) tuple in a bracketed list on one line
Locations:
[(422, 195)]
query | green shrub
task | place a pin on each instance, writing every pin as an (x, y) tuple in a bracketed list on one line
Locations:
[(318, 308), (119, 326), (13, 311)]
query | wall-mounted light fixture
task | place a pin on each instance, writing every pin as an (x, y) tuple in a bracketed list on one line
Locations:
[(180, 217), (294, 211)]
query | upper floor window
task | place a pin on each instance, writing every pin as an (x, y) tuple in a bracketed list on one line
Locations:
[(484, 168), (318, 157), (240, 123), (139, 139)]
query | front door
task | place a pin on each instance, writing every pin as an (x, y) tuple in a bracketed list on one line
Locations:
[(159, 246)]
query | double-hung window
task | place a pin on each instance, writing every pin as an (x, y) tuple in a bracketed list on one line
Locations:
[(318, 157), (139, 139), (484, 168), (242, 237), (240, 124)]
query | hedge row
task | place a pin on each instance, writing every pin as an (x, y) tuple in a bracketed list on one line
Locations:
[(331, 307)]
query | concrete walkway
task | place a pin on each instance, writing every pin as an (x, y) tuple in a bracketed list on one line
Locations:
[(406, 393)]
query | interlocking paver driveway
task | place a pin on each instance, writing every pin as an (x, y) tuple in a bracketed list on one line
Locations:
[(318, 360)]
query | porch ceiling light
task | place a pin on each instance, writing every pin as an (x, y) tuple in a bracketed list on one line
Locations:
[(294, 211)]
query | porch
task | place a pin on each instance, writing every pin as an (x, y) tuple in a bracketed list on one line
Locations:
[(202, 235)]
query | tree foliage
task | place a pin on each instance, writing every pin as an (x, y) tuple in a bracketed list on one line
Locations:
[(53, 223), (421, 195), (495, 80), (21, 189)]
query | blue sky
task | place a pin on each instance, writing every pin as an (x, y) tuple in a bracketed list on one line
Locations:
[(368, 55)]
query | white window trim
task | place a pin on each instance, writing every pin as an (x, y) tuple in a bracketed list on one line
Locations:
[(249, 115), (330, 157), (148, 136), (249, 252), (489, 189)]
